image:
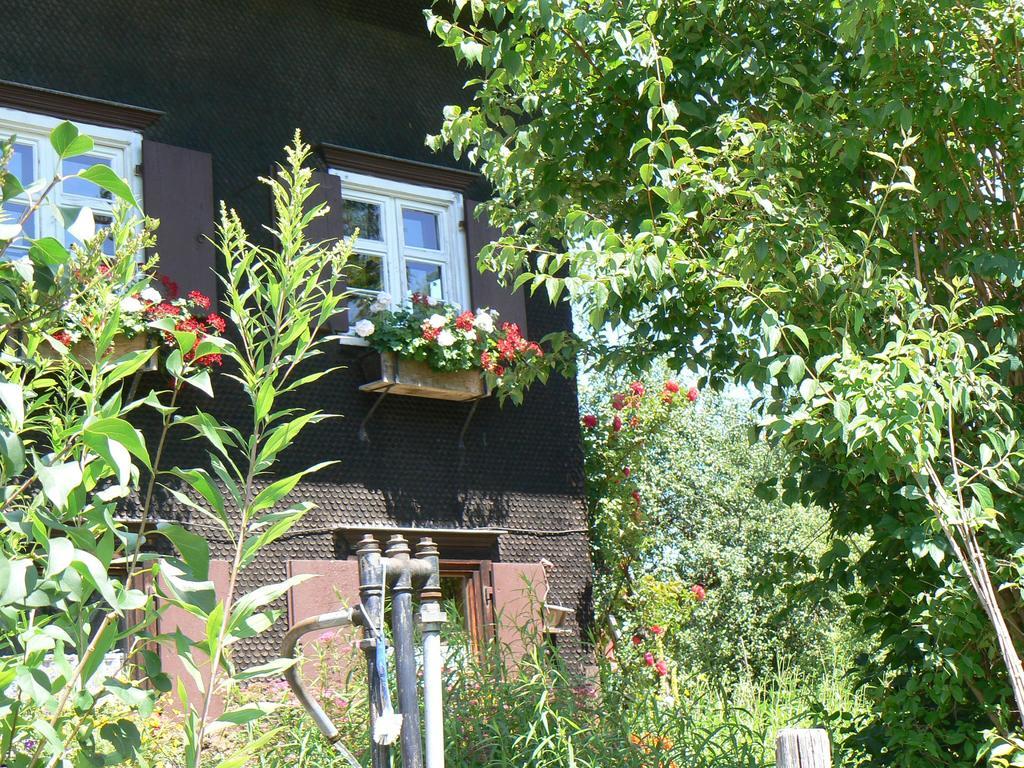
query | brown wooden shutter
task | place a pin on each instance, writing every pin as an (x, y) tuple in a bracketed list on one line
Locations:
[(194, 628), (518, 594), (329, 228), (336, 586), (484, 287), (177, 188)]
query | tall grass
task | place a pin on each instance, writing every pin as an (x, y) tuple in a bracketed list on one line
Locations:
[(541, 714)]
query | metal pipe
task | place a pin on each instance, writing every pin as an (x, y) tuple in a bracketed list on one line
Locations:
[(371, 596), (431, 619), (405, 653), (291, 639)]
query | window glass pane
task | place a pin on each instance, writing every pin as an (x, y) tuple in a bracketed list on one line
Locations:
[(12, 213), (420, 229), (358, 308), (102, 221), (23, 165), (75, 186), (424, 278), (362, 216), (364, 272)]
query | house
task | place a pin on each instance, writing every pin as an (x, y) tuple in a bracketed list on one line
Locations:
[(192, 101)]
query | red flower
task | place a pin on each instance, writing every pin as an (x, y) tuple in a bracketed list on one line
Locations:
[(657, 630), (667, 397), (636, 496), (616, 424), (216, 321), (589, 420), (691, 394), (634, 422), (464, 322), (671, 386), (199, 299), (638, 388), (649, 659), (163, 309), (626, 471), (209, 361), (661, 668), (638, 639), (499, 370), (618, 401), (699, 593), (170, 286), (429, 332), (534, 347), (63, 337)]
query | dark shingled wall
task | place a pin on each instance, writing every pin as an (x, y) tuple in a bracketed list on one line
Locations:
[(235, 79)]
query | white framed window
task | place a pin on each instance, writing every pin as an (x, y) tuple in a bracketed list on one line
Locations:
[(410, 241), (35, 164)]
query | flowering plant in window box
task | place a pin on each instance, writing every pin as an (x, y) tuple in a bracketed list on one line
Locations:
[(474, 349), (145, 318)]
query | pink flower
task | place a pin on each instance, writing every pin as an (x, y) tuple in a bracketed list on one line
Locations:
[(671, 386), (661, 668), (699, 593), (589, 420), (616, 424), (618, 401), (657, 630), (626, 472), (649, 659), (691, 394), (638, 388)]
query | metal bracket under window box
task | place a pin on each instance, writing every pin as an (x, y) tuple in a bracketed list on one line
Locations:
[(389, 374)]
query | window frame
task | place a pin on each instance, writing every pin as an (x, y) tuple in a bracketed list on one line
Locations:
[(392, 196), (122, 146)]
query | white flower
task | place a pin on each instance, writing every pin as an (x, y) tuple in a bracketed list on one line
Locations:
[(484, 322), (75, 336), (437, 321), (364, 328), (445, 338), (131, 304), (470, 334), (151, 295), (431, 301), (84, 227), (381, 302)]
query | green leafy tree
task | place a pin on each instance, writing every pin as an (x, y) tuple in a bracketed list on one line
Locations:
[(822, 200)]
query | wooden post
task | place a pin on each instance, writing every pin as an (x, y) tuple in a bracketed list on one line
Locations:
[(803, 748)]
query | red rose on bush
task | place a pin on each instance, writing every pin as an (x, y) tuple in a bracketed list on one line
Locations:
[(618, 401), (691, 394), (699, 593), (657, 630), (636, 496), (649, 659), (661, 668), (626, 471), (638, 639), (589, 420), (638, 388), (671, 386), (616, 424)]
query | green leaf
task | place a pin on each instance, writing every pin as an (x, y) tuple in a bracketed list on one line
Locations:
[(796, 369), (105, 178), (68, 142), (59, 481), (277, 490), (193, 548)]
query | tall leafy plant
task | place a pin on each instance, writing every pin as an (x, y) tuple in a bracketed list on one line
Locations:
[(823, 200), (70, 566), (276, 299)]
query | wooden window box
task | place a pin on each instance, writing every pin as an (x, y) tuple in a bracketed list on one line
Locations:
[(85, 352), (387, 372)]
